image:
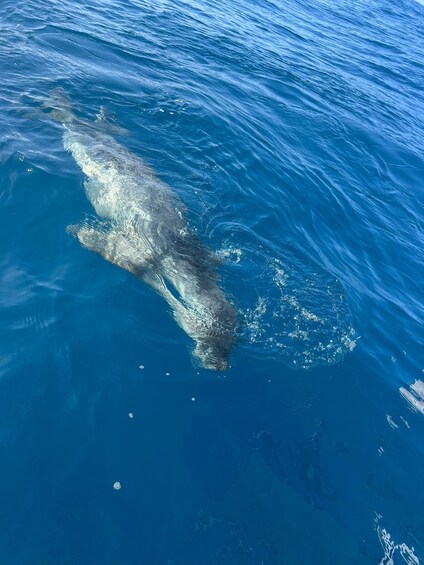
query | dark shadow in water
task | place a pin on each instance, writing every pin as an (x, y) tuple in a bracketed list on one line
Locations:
[(261, 519)]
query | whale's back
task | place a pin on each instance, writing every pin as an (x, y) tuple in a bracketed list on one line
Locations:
[(145, 232)]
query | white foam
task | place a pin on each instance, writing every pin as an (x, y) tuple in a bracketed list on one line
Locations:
[(392, 549), (418, 388), (305, 322), (253, 320), (101, 114), (415, 395), (405, 422), (391, 423), (231, 254)]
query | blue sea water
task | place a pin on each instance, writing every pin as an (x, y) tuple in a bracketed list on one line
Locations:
[(293, 132)]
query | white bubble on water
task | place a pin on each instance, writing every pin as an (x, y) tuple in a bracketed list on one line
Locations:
[(230, 253), (300, 317)]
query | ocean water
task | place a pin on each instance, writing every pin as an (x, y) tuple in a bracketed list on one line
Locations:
[(293, 133)]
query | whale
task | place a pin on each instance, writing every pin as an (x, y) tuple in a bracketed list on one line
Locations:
[(140, 226)]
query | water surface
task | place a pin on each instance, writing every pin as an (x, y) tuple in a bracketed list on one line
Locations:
[(293, 134)]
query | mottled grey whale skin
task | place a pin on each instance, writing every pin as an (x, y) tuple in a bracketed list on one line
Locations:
[(143, 230)]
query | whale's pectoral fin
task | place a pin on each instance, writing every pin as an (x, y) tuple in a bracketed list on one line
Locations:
[(114, 246)]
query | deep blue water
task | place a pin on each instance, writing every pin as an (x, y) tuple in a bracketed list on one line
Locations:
[(294, 134)]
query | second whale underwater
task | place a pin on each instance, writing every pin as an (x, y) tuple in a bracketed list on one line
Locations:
[(143, 230)]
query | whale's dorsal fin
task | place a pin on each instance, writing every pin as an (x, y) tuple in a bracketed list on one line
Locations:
[(115, 246)]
